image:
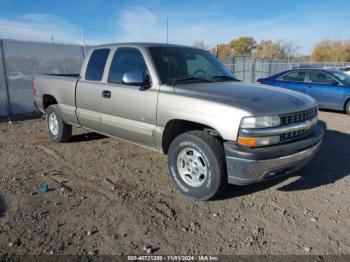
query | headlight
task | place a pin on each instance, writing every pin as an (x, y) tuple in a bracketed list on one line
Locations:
[(252, 122), (260, 122)]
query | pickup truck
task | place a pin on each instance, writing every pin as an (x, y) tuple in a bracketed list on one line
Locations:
[(181, 101)]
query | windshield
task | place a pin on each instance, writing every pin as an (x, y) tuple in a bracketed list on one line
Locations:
[(181, 64), (344, 77)]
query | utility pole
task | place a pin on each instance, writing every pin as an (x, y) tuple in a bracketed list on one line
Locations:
[(52, 38), (83, 40)]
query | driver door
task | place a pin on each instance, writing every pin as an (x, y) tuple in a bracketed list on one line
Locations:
[(325, 89), (129, 112)]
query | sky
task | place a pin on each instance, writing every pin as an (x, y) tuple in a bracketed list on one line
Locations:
[(214, 22)]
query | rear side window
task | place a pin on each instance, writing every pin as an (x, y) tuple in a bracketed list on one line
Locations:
[(126, 60), (296, 76), (96, 65), (320, 77)]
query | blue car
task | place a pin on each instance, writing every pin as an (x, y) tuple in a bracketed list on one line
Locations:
[(329, 87)]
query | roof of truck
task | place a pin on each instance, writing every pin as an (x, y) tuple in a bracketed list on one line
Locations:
[(142, 44)]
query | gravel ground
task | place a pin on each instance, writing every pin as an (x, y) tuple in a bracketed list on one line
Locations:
[(110, 197)]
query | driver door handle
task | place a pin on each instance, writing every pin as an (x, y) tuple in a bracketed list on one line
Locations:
[(106, 94)]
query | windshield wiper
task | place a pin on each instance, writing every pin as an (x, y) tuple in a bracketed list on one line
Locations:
[(225, 78), (191, 79)]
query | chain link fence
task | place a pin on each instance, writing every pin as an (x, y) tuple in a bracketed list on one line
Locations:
[(21, 60), (250, 69)]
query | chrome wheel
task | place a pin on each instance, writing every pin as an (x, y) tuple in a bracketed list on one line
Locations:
[(192, 167), (53, 124)]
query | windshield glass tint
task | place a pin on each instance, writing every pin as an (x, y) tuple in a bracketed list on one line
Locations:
[(174, 63), (344, 77)]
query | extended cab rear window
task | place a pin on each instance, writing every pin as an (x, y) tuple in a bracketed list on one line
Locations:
[(96, 65)]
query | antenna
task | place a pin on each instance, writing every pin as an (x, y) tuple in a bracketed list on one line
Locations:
[(167, 48), (167, 31)]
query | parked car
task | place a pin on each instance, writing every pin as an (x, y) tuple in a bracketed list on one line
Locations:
[(181, 101), (329, 87), (345, 69)]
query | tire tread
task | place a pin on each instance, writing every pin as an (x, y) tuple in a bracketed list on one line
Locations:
[(217, 149)]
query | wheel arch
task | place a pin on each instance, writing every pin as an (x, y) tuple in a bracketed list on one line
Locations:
[(48, 100), (176, 127)]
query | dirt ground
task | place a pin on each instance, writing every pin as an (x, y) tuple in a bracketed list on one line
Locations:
[(110, 197)]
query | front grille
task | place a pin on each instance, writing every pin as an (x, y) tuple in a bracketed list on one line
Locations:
[(287, 119), (289, 136), (291, 118)]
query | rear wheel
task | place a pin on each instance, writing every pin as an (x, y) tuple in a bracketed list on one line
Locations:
[(197, 165), (57, 129), (347, 107)]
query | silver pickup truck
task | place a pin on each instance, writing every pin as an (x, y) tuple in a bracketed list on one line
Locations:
[(181, 101)]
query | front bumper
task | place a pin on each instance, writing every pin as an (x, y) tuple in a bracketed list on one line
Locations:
[(247, 166)]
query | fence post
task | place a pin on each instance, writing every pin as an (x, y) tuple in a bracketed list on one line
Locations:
[(253, 68), (233, 61), (4, 69)]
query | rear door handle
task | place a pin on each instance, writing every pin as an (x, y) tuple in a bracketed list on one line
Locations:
[(106, 94)]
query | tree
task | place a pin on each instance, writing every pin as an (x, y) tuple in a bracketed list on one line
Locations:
[(224, 50), (276, 50), (200, 44), (268, 49), (243, 45), (289, 48), (331, 51)]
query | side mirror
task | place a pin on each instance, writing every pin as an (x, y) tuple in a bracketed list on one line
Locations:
[(135, 78)]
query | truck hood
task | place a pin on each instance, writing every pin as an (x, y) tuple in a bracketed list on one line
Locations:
[(255, 98)]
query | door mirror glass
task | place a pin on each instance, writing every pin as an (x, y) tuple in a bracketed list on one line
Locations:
[(134, 78)]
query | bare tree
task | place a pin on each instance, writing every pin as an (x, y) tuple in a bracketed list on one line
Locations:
[(200, 44), (277, 50)]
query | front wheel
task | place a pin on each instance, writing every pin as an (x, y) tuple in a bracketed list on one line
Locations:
[(197, 165), (347, 107), (57, 129)]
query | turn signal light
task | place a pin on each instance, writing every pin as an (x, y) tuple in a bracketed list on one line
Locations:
[(258, 141), (247, 141)]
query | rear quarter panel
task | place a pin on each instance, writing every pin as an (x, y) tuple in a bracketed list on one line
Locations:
[(63, 90)]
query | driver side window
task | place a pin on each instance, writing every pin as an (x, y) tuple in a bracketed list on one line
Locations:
[(126, 59)]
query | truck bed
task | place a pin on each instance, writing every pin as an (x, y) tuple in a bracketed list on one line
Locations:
[(62, 88)]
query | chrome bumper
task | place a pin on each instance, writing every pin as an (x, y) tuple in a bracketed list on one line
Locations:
[(246, 171)]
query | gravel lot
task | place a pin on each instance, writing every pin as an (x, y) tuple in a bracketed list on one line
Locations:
[(109, 197)]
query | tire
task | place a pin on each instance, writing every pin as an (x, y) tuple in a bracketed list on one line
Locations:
[(208, 152), (347, 108), (57, 129)]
